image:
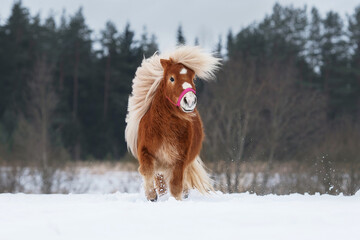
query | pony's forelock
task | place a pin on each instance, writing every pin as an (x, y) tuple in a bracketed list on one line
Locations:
[(147, 80)]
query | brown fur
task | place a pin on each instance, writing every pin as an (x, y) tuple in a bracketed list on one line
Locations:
[(169, 138), (166, 140)]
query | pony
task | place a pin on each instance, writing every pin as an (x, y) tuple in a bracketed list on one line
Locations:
[(164, 130)]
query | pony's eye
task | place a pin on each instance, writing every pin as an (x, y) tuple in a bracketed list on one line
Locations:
[(172, 79)]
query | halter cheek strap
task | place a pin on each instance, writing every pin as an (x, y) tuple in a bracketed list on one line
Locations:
[(181, 96)]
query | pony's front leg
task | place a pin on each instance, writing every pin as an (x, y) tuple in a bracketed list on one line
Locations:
[(176, 182), (146, 169)]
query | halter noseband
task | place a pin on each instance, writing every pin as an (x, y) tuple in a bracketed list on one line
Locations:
[(181, 96)]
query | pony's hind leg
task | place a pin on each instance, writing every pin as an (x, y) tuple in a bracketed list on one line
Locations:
[(185, 192), (147, 170)]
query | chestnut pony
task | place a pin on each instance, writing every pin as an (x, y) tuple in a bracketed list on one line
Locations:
[(164, 130)]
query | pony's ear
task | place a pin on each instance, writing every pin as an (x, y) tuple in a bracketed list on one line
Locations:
[(165, 63)]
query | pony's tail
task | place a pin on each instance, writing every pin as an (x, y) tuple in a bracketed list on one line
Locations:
[(197, 177)]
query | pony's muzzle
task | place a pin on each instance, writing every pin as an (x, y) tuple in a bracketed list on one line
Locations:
[(188, 102)]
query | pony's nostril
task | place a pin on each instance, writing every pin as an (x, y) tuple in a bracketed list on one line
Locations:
[(185, 100)]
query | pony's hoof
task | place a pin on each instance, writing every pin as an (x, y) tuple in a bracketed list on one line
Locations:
[(186, 194), (153, 199), (152, 196)]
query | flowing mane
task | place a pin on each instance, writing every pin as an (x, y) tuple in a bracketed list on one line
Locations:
[(149, 75)]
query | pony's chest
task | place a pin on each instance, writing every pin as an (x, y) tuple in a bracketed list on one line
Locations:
[(174, 143), (167, 153)]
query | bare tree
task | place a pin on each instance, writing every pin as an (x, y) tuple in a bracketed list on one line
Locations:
[(230, 110), (294, 116), (10, 172), (338, 159), (33, 141), (258, 111)]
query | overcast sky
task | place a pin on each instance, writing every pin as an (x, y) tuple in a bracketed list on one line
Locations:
[(205, 19)]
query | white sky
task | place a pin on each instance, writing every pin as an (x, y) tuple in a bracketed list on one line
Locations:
[(205, 19)]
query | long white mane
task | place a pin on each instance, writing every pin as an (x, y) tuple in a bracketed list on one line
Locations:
[(148, 77)]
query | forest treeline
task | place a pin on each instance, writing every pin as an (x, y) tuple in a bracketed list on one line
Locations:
[(289, 91), (290, 84), (90, 87)]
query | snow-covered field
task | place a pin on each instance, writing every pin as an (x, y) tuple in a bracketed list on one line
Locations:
[(99, 179), (218, 216), (82, 180)]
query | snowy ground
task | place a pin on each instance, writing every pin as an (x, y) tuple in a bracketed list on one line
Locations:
[(82, 180), (102, 180), (219, 216)]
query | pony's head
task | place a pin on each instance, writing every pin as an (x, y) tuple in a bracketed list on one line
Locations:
[(178, 85)]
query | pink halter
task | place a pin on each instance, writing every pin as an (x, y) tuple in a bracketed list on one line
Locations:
[(181, 96)]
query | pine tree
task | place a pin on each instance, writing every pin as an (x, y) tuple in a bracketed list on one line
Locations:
[(148, 46), (313, 48), (354, 35), (129, 58), (16, 62), (230, 44), (219, 47), (152, 45), (196, 41), (109, 43), (284, 31), (180, 39), (77, 73), (335, 73)]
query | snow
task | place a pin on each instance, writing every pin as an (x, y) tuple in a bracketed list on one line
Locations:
[(111, 180), (82, 180), (216, 216)]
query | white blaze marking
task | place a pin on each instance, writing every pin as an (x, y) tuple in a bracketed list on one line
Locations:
[(186, 85), (183, 71)]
